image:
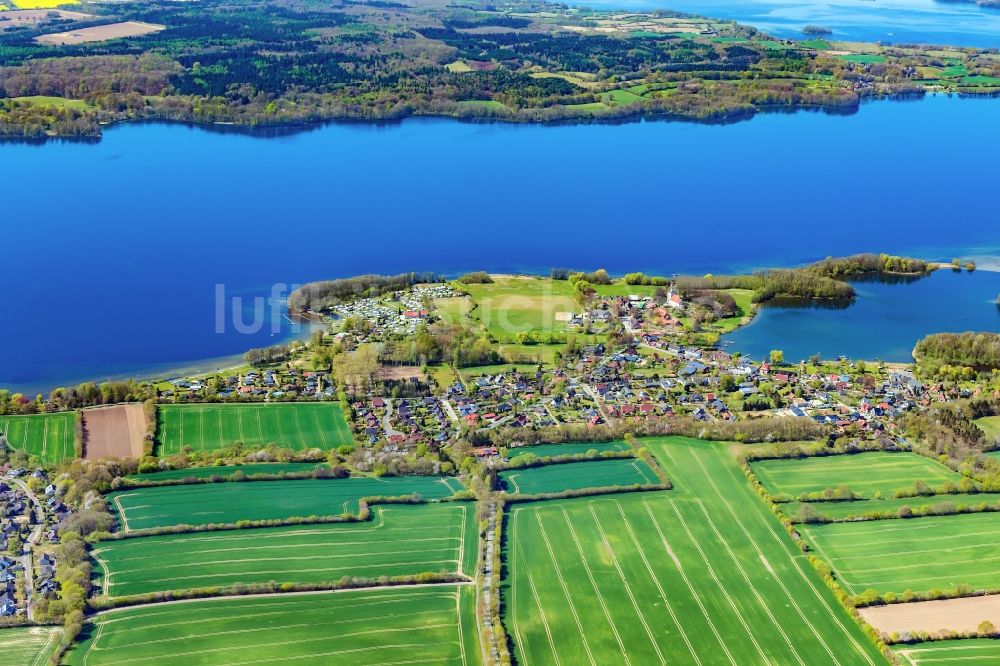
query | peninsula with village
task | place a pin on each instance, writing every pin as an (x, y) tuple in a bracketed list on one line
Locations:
[(439, 454)]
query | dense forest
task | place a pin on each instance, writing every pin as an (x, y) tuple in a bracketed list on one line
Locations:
[(290, 62)]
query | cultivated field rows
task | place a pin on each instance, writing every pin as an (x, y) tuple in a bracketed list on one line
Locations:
[(702, 574)]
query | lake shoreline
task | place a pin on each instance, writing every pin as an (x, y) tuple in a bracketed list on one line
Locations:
[(158, 372)]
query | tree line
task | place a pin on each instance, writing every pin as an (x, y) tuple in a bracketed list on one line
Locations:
[(327, 293)]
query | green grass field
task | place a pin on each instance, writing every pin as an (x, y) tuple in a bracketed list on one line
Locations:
[(55, 102), (865, 473), (200, 504), (530, 353), (469, 374), (433, 625), (570, 448), (863, 58), (919, 554), (294, 425), (27, 646), (973, 652), (577, 475), (513, 305), (400, 540), (703, 574), (227, 470), (48, 436), (991, 426), (839, 510), (489, 104)]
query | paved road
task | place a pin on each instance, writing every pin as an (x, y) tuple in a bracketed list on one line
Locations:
[(33, 538)]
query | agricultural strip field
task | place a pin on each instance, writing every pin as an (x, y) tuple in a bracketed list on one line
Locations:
[(226, 471), (570, 448), (202, 504), (703, 574), (400, 540), (48, 436), (577, 475), (973, 652), (27, 646), (294, 425), (432, 625), (865, 473), (919, 554), (838, 510)]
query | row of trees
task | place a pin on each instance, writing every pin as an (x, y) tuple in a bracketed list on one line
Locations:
[(88, 394)]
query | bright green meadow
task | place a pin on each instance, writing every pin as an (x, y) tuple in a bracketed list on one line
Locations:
[(400, 540), (432, 625), (578, 475), (703, 574), (206, 503), (293, 425)]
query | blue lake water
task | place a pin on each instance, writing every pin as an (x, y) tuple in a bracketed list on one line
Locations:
[(112, 252), (884, 322), (889, 21)]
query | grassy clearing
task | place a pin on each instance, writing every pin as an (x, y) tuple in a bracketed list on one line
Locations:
[(863, 58), (865, 473), (624, 97), (360, 627), (492, 105), (577, 475), (980, 80), (570, 448), (521, 304), (227, 470), (704, 574), (589, 107), (744, 301), (534, 353), (442, 374), (294, 425), (839, 510), (469, 374), (458, 67), (990, 425), (28, 646), (54, 102), (201, 504), (48, 436), (576, 80), (974, 652), (453, 310), (918, 554), (401, 540)]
